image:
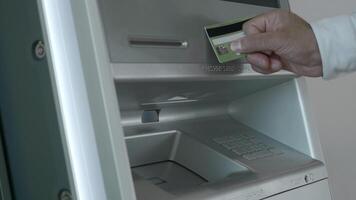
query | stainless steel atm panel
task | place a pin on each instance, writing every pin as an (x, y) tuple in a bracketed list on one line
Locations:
[(196, 129), (170, 31), (230, 139)]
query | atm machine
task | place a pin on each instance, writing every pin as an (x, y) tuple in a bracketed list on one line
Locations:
[(145, 111)]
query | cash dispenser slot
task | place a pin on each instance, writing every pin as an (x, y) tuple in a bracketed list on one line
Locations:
[(225, 140), (170, 161)]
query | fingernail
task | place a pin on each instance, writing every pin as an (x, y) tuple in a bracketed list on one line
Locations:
[(262, 64), (236, 46), (275, 66), (258, 61)]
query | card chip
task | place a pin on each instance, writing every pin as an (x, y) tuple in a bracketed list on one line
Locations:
[(222, 50), (221, 36)]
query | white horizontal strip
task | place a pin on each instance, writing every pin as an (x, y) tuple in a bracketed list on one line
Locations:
[(228, 38)]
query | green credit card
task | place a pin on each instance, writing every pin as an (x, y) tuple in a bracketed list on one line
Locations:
[(221, 36)]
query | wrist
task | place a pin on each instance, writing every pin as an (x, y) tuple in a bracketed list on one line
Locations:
[(314, 52)]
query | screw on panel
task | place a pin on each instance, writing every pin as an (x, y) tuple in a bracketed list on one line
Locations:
[(65, 195), (39, 50)]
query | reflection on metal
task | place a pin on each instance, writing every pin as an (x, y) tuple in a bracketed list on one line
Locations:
[(5, 192)]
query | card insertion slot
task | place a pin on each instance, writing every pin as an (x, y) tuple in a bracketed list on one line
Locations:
[(223, 30), (154, 42), (271, 3)]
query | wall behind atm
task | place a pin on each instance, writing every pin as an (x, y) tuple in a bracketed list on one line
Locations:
[(334, 104)]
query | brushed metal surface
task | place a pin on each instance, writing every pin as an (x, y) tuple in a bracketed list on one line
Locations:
[(157, 21), (185, 131), (167, 20), (226, 173)]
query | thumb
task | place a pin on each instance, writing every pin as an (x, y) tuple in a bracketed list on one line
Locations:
[(269, 41)]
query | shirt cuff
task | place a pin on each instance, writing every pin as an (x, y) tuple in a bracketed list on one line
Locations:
[(336, 38)]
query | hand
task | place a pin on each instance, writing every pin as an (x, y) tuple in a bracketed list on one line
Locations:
[(280, 40)]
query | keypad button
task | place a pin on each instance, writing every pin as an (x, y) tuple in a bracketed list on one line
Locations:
[(258, 155), (247, 146)]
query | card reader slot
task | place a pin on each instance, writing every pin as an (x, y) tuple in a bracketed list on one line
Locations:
[(153, 42), (272, 4)]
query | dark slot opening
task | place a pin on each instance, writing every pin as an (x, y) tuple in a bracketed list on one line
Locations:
[(147, 42), (150, 116), (266, 3)]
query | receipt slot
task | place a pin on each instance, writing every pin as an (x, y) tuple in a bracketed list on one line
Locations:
[(145, 111)]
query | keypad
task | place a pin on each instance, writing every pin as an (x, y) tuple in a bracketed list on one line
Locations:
[(247, 146)]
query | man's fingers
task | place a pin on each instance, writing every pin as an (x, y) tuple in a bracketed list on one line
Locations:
[(250, 28), (256, 25), (264, 64), (259, 60), (270, 41), (261, 71), (263, 23), (275, 63)]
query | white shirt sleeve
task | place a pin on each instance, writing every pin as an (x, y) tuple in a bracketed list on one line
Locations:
[(337, 43)]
